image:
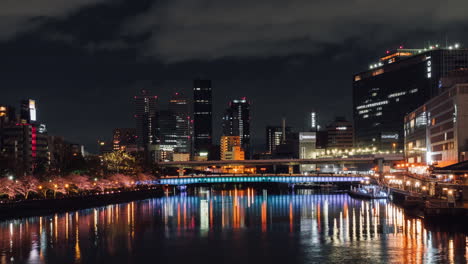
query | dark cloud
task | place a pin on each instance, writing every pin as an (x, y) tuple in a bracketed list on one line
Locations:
[(25, 15), (83, 60), (207, 29)]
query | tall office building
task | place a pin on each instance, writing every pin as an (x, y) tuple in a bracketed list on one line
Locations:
[(275, 136), (180, 108), (202, 117), (401, 81), (166, 124), (340, 134), (236, 122), (146, 118)]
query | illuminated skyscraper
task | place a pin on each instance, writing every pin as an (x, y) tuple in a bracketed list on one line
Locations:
[(202, 117), (397, 84), (146, 120), (236, 122), (179, 106)]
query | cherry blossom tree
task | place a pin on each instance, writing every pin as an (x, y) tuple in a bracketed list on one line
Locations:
[(81, 182), (25, 185), (102, 184), (7, 187), (120, 180), (58, 185)]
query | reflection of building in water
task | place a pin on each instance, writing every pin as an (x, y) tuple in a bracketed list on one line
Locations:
[(378, 227), (204, 217)]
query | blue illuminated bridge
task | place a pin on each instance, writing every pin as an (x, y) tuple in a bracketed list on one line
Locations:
[(260, 179)]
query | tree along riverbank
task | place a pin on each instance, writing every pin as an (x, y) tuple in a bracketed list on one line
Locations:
[(25, 208)]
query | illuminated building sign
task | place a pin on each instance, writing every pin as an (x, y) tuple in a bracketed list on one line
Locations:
[(42, 129), (429, 69), (390, 136), (397, 54), (313, 120), (304, 137)]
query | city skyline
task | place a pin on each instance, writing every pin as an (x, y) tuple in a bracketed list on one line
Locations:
[(70, 64), (219, 131)]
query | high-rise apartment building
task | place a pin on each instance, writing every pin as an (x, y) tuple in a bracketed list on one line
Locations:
[(398, 83), (146, 120), (236, 122), (202, 117), (26, 141)]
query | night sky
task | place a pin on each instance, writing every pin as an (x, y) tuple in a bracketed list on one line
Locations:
[(83, 60)]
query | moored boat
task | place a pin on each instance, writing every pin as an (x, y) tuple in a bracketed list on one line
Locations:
[(368, 192)]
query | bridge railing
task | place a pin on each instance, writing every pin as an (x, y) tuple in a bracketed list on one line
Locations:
[(266, 175)]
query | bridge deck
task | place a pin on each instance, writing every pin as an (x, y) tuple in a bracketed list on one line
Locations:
[(273, 179)]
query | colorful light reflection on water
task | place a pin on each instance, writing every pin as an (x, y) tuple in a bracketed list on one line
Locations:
[(231, 227)]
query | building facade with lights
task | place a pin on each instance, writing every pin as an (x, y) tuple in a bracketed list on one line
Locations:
[(436, 133), (202, 117), (401, 81), (307, 149), (231, 149), (180, 108), (236, 122), (275, 136), (146, 120), (340, 134), (24, 141), (124, 139)]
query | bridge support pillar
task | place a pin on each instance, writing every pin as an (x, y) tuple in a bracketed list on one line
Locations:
[(274, 168), (291, 169), (181, 171)]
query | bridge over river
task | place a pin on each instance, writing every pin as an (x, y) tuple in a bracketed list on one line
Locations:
[(291, 179)]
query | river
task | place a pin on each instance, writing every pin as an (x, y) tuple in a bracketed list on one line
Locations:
[(231, 226)]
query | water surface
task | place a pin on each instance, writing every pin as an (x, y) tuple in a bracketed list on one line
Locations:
[(242, 226)]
